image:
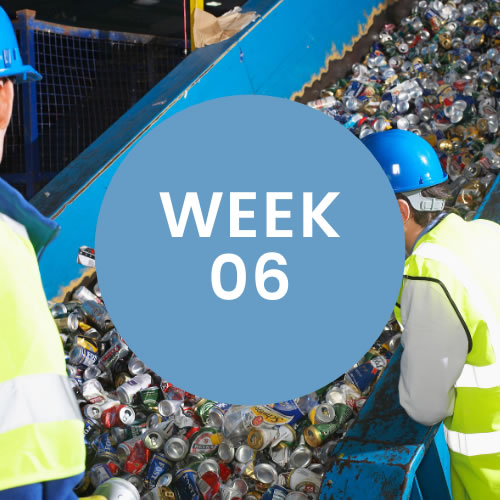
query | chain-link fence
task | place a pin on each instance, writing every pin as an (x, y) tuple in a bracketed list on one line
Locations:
[(90, 79)]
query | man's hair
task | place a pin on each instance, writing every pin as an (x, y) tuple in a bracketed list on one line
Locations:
[(422, 218)]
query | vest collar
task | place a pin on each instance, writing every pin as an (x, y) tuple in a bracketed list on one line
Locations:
[(429, 226), (41, 230)]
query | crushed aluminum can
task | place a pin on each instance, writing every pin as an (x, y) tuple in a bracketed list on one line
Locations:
[(258, 439), (176, 448), (86, 256), (128, 390), (322, 414), (158, 466), (118, 488), (99, 473), (300, 457), (185, 485), (153, 439), (68, 323), (81, 356), (275, 492), (265, 473), (82, 293), (96, 315)]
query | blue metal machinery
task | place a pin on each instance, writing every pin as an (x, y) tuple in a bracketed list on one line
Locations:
[(387, 455), (384, 454)]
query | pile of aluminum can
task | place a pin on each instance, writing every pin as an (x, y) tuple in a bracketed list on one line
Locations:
[(437, 75), (146, 437)]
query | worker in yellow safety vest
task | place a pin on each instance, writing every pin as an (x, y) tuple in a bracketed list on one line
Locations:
[(449, 308), (42, 452)]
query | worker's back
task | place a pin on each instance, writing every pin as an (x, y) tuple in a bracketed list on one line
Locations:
[(464, 258), (41, 433)]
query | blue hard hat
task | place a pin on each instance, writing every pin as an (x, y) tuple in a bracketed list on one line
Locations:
[(409, 161), (11, 64)]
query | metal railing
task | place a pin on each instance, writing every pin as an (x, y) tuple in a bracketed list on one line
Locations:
[(90, 79)]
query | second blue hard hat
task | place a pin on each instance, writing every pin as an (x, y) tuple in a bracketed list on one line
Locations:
[(11, 64), (409, 161)]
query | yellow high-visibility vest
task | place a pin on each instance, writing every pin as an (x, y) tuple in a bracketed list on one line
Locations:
[(464, 259), (41, 430)]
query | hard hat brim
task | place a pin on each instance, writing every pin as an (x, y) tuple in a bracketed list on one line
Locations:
[(23, 74)]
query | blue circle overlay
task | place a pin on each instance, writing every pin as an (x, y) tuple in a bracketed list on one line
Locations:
[(158, 288)]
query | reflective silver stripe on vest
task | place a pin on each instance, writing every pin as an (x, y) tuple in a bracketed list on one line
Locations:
[(481, 443), (14, 226), (36, 399), (483, 377)]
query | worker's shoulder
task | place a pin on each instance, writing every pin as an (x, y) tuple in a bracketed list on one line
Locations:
[(9, 226), (14, 241)]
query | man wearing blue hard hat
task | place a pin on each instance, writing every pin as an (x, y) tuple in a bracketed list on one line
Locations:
[(449, 307), (42, 453)]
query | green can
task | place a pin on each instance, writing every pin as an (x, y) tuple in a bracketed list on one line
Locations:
[(315, 435), (342, 414), (202, 409), (150, 397)]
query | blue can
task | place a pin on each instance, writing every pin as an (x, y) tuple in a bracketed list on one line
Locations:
[(158, 466), (223, 406), (90, 430), (99, 473), (362, 376), (185, 485), (290, 409), (275, 492), (81, 356), (105, 448)]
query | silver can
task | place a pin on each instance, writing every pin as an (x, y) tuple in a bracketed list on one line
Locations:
[(153, 420), (176, 448), (300, 457), (92, 371), (280, 455), (335, 395), (225, 452), (136, 366), (322, 414), (303, 479), (96, 315), (59, 309), (208, 465), (129, 389), (126, 415), (153, 440), (165, 479), (168, 407), (215, 417), (67, 324), (82, 293), (244, 454), (92, 411), (117, 488), (266, 473)]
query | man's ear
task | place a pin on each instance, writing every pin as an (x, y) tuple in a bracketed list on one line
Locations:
[(404, 208), (6, 102)]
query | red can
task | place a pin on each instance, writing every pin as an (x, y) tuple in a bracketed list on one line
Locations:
[(138, 459)]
